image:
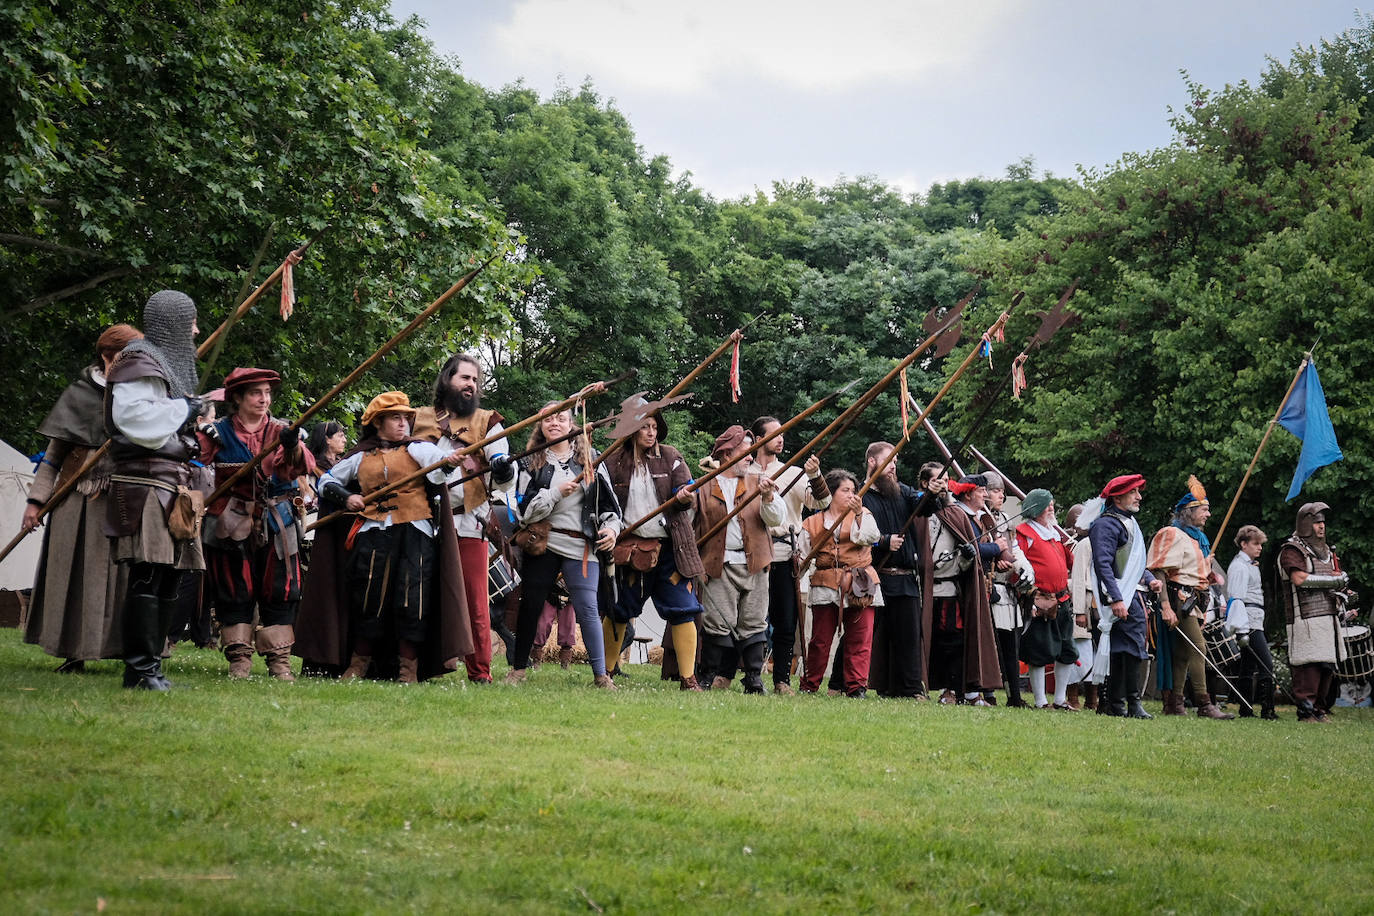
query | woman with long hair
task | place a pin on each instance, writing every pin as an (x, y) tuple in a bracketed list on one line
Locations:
[(576, 515)]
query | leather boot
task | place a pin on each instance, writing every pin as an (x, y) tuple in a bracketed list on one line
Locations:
[(729, 663), (689, 683), (1116, 687), (604, 682), (1169, 709), (237, 640), (1071, 697), (357, 667), (142, 644), (1134, 710), (564, 656), (1206, 709), (751, 657), (1266, 699), (274, 644), (407, 670), (1090, 697)]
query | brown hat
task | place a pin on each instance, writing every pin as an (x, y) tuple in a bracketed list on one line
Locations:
[(728, 441), (388, 402), (242, 377)]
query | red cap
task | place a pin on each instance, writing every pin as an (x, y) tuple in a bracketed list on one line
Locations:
[(1120, 486), (959, 488), (243, 376)]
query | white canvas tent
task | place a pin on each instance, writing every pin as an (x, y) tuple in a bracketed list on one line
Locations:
[(16, 476)]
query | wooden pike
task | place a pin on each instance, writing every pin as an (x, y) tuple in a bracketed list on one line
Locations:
[(247, 303), (680, 387), (1264, 440), (353, 376), (829, 533), (594, 388), (712, 475)]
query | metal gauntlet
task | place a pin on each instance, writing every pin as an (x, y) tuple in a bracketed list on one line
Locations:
[(1339, 580)]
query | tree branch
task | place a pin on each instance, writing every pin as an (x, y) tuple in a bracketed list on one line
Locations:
[(9, 239), (67, 292)]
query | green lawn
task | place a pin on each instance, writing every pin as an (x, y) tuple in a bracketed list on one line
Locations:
[(343, 798)]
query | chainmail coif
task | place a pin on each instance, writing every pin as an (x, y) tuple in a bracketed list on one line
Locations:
[(167, 321)]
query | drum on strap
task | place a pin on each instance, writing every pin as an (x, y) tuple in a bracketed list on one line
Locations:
[(1359, 654), (501, 578), (1222, 647)]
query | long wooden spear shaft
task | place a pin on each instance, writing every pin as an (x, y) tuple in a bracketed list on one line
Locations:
[(247, 303), (697, 484), (1264, 440), (935, 437), (93, 459), (829, 532), (869, 396), (594, 388), (791, 463), (353, 376), (688, 379), (244, 291)]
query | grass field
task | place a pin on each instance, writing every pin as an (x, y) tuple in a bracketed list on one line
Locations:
[(553, 797)]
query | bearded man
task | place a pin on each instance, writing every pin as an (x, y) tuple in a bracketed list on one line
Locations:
[(456, 421)]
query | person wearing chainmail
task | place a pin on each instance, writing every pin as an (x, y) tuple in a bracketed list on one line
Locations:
[(1180, 553), (78, 592), (783, 577), (1315, 595), (658, 560), (152, 510), (458, 420), (1245, 605), (254, 532)]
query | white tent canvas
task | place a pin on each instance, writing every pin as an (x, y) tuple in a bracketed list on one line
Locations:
[(16, 476)]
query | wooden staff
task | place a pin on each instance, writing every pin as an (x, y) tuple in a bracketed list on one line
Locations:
[(246, 304), (382, 493), (353, 376), (869, 396), (1264, 440), (688, 379), (792, 462), (939, 443), (696, 485), (62, 492), (829, 533)]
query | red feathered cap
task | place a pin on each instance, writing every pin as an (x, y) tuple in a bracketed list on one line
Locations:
[(1120, 486), (243, 376), (959, 488)]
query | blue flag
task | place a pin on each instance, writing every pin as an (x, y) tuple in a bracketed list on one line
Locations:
[(1305, 416)]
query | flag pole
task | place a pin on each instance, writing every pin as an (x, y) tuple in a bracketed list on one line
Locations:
[(1264, 440)]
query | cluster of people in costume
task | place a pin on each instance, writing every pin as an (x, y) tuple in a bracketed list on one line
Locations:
[(911, 591)]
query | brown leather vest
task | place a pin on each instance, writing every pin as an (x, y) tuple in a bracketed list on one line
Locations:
[(839, 555), (431, 423), (383, 466)]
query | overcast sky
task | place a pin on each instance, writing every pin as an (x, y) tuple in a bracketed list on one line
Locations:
[(744, 92)]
